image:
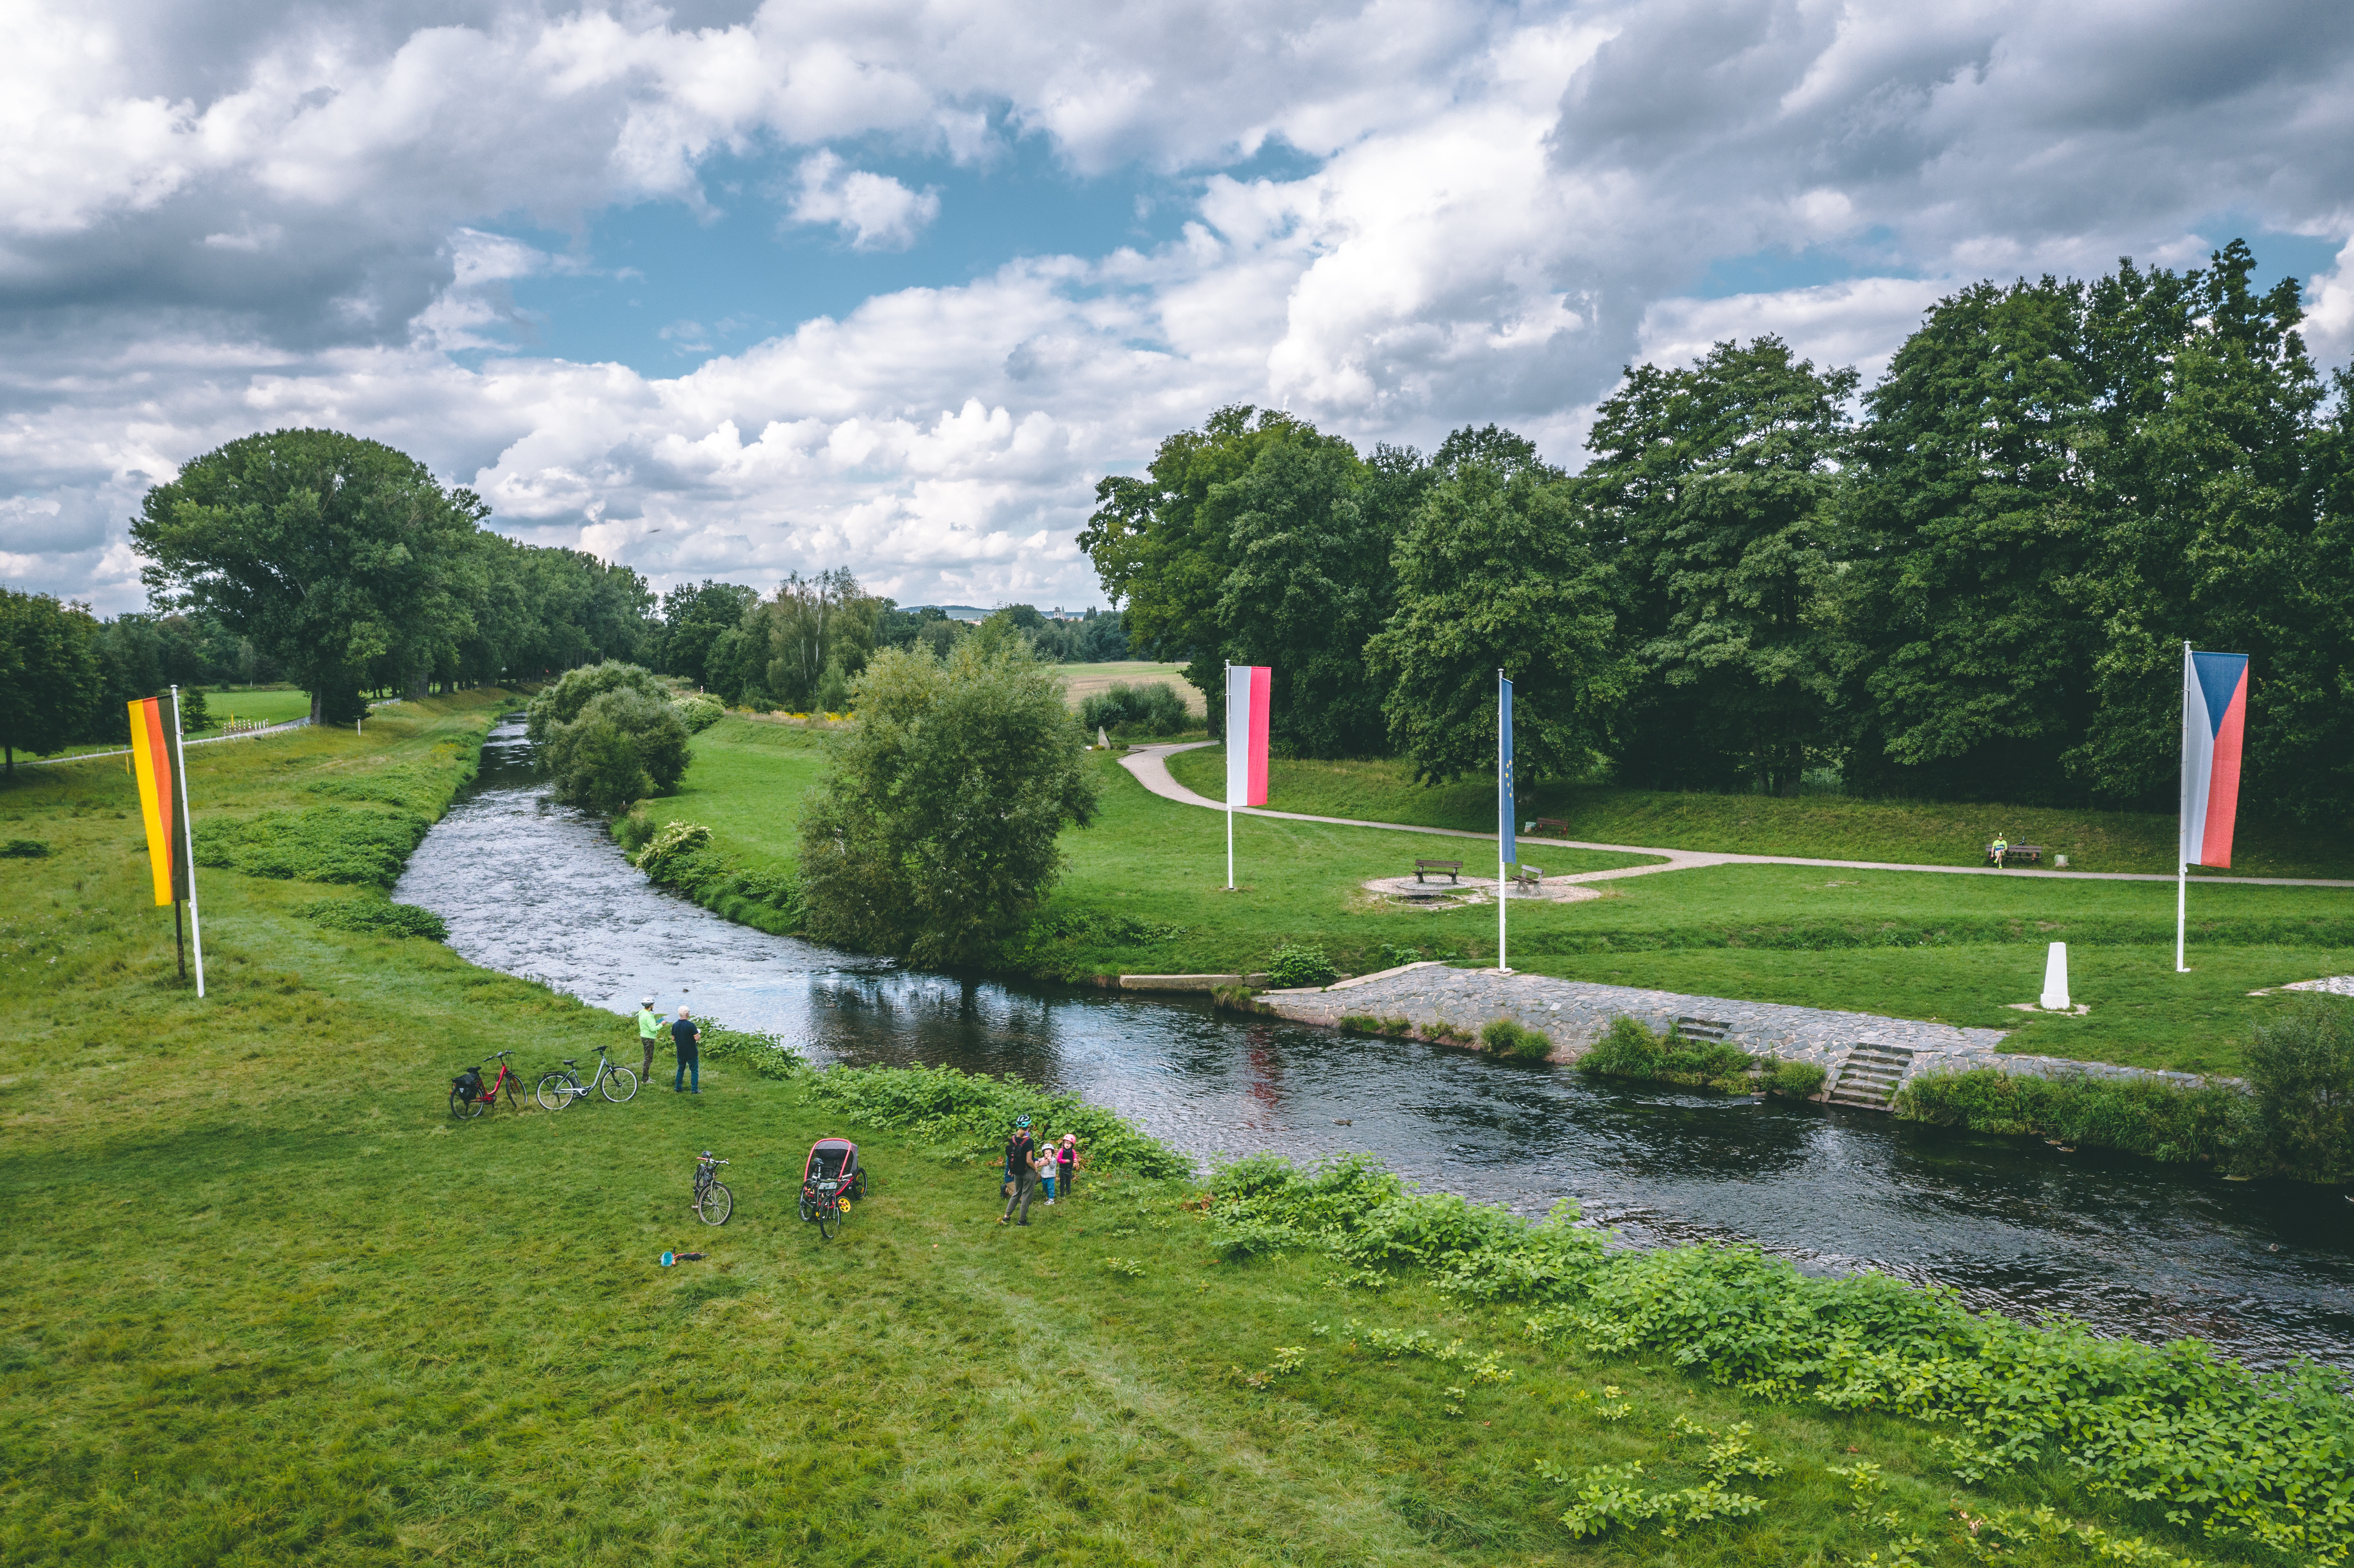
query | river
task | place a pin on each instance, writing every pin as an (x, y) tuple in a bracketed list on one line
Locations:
[(2263, 1270)]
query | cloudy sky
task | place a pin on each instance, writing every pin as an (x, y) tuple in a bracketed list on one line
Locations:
[(727, 290)]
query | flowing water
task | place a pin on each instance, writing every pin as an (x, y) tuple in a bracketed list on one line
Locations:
[(2264, 1270)]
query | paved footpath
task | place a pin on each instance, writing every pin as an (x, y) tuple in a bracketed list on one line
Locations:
[(1150, 766)]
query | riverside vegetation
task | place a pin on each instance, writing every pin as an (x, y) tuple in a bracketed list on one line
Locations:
[(316, 1320)]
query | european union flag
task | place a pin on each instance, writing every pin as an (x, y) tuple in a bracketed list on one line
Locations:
[(1504, 769)]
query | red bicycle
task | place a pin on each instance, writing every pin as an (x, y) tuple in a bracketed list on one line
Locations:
[(469, 1097)]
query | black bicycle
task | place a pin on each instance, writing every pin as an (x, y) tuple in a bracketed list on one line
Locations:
[(712, 1201), (560, 1087)]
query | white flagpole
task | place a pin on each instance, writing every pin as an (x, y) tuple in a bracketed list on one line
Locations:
[(2181, 859), (1503, 966), (195, 924), (1228, 694)]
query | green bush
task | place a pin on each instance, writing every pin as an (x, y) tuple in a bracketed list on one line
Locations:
[(663, 857), (766, 1054), (969, 1115), (1299, 964), (1503, 1038), (608, 734), (1628, 1050), (1799, 1080), (631, 830), (322, 843), (23, 848), (698, 711), (2139, 1115), (1124, 710), (376, 918), (2301, 1070)]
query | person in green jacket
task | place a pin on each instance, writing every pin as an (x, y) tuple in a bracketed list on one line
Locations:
[(649, 1025)]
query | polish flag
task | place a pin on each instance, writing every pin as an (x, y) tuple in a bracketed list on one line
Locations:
[(1247, 691)]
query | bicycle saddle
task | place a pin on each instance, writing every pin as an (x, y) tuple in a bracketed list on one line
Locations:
[(571, 1061)]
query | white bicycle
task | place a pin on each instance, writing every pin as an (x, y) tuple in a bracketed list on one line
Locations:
[(560, 1087)]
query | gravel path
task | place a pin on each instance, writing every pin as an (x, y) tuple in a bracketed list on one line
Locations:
[(1150, 766)]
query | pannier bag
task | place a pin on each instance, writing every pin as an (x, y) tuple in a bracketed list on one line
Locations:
[(469, 1084)]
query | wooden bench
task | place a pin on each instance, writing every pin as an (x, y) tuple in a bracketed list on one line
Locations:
[(2031, 853), (1551, 825), (1529, 878), (1453, 868)]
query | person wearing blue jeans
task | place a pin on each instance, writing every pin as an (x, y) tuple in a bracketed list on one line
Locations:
[(689, 1060)]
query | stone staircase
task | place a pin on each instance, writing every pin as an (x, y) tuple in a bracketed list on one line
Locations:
[(1701, 1029), (1868, 1076)]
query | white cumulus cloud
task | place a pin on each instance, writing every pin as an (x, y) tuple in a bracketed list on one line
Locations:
[(873, 212)]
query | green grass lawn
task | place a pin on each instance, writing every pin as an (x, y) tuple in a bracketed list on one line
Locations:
[(268, 1304), (1826, 827), (270, 705)]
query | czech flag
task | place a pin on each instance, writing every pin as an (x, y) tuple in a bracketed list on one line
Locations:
[(1247, 695), (2214, 714), (155, 758)]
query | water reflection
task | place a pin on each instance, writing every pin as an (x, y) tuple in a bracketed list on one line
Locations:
[(2131, 1248)]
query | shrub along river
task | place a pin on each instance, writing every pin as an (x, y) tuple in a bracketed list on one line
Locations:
[(2264, 1270)]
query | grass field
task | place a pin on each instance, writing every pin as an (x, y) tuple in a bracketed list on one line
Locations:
[(1826, 827), (268, 1304), (1083, 681)]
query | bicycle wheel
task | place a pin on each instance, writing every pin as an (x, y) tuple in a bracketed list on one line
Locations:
[(809, 1211), (716, 1205), (621, 1086), (829, 1220), (463, 1108), (858, 1187), (555, 1091)]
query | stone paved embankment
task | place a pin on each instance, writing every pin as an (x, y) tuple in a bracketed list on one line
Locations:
[(1573, 1014)]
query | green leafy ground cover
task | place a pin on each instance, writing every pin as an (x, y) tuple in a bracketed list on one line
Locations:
[(1826, 827), (269, 1303)]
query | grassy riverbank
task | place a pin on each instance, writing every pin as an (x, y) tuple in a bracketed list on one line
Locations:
[(271, 1304), (1825, 827)]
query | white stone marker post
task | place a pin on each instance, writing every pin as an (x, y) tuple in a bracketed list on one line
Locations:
[(2055, 979)]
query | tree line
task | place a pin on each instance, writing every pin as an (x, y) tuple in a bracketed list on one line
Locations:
[(1973, 581), (799, 648)]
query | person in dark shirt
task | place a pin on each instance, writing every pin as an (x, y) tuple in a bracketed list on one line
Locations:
[(690, 1061), (1021, 1171)]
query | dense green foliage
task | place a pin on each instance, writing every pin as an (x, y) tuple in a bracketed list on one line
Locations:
[(321, 843), (1977, 589), (969, 1115), (1628, 1050), (934, 832), (2214, 1123), (1502, 1037), (49, 689), (346, 563), (377, 917), (2301, 1069), (1122, 710), (608, 734), (2241, 1455)]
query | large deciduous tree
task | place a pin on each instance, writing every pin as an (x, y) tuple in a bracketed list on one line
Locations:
[(336, 555), (52, 682), (1711, 485), (1495, 571), (933, 832)]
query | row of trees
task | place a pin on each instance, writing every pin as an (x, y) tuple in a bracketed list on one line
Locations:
[(1974, 583), (343, 561), (801, 647), (66, 676)]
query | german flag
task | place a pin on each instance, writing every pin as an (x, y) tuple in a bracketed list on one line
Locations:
[(155, 758)]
